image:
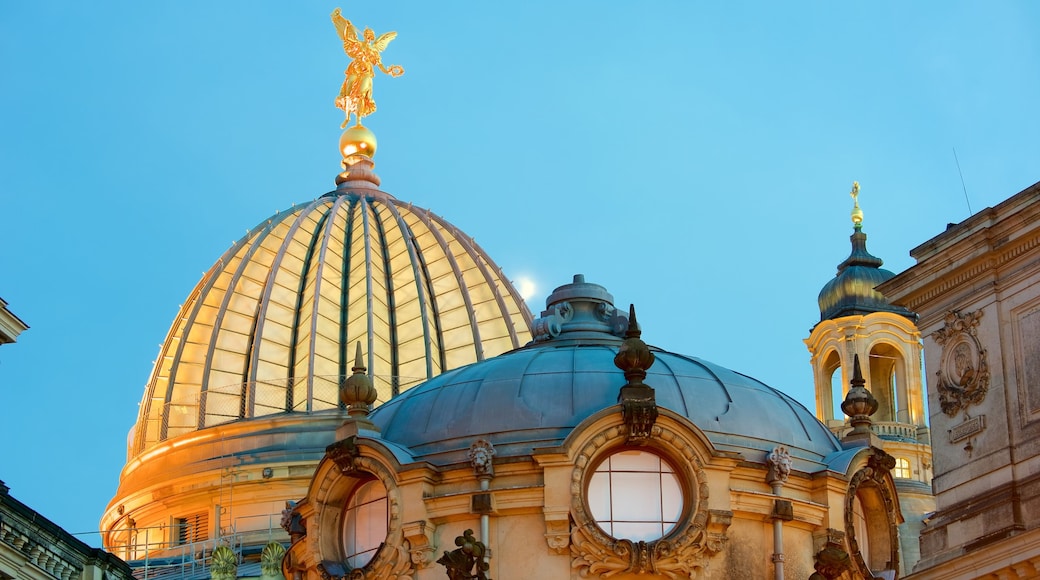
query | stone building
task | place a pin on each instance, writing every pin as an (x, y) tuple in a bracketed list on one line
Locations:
[(34, 548), (976, 288), (588, 453)]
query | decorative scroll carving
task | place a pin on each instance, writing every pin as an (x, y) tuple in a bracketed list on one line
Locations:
[(686, 550), (345, 454), (467, 561), (557, 528), (420, 540), (595, 553), (640, 413), (963, 375)]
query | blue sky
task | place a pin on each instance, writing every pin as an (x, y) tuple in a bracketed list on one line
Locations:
[(693, 158)]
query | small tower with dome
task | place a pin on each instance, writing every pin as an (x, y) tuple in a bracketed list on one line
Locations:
[(861, 330)]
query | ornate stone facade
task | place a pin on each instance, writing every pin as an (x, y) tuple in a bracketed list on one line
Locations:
[(34, 548), (976, 287)]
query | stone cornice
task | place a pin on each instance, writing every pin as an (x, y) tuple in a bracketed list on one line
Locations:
[(976, 248), (10, 325), (47, 546)]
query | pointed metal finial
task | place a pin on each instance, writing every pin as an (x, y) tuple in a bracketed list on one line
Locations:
[(638, 401), (357, 392), (859, 403)]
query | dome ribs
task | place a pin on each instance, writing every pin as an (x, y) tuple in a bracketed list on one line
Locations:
[(418, 275), (391, 304), (425, 218), (244, 259), (312, 271), (477, 253), (270, 327), (177, 387), (270, 343)]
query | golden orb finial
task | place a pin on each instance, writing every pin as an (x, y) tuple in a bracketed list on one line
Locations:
[(857, 213), (357, 140)]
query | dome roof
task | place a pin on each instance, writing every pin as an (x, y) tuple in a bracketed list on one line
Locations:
[(852, 290), (271, 327), (535, 396)]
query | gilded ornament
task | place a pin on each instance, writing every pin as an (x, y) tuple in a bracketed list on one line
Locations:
[(355, 96)]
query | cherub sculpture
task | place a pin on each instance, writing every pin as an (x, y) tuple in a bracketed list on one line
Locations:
[(355, 97)]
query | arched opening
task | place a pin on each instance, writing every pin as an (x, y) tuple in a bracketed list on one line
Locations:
[(872, 531), (835, 383), (887, 382)]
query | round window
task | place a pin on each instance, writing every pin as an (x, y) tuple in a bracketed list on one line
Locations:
[(366, 521), (635, 495)]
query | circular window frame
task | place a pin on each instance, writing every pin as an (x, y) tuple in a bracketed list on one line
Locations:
[(671, 448), (341, 485), (343, 539), (681, 481)]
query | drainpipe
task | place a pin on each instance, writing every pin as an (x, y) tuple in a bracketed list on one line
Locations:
[(779, 462), (481, 453)]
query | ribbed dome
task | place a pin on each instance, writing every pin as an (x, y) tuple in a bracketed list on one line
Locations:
[(271, 327), (534, 397), (851, 291)]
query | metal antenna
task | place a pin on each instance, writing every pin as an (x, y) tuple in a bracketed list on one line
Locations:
[(970, 213)]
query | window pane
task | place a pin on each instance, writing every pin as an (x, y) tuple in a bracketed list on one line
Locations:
[(599, 497), (637, 531), (365, 523), (635, 461), (671, 500), (635, 495)]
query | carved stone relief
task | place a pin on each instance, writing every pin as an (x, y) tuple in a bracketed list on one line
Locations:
[(963, 375)]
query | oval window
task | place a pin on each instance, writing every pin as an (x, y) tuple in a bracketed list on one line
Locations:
[(366, 520), (635, 495)]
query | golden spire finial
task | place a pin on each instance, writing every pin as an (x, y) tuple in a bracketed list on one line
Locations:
[(355, 97), (857, 213)]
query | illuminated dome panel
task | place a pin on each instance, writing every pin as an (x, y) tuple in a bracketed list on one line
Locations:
[(271, 327)]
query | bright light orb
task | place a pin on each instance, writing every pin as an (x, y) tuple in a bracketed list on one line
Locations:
[(526, 287)]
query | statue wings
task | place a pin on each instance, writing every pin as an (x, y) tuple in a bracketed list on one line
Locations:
[(384, 40), (343, 26)]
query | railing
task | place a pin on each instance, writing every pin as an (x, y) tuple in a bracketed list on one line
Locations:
[(161, 558), (886, 430)]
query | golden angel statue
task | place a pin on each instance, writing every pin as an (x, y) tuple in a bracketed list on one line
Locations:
[(356, 95)]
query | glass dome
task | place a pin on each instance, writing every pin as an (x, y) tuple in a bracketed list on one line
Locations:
[(271, 327)]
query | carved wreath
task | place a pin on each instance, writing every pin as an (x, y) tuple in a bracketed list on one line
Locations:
[(682, 555), (963, 375)]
